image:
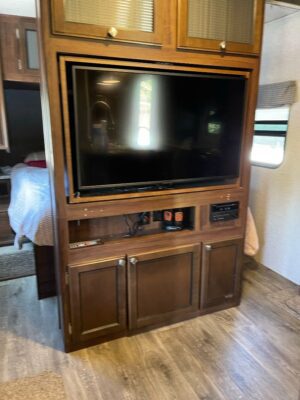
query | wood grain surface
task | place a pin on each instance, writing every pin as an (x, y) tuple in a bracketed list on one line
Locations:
[(248, 352)]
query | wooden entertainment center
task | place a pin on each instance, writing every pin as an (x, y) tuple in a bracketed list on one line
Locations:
[(110, 282)]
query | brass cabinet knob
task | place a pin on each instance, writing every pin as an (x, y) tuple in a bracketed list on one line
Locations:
[(223, 45), (133, 260), (208, 247), (121, 262), (112, 32)]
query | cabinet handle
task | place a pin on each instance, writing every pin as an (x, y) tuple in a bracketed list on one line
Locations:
[(133, 260), (223, 45), (228, 296), (112, 32), (208, 247), (121, 262)]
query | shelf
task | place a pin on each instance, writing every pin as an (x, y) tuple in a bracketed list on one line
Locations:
[(99, 231)]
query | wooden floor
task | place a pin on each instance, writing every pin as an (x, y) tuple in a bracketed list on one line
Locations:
[(249, 352)]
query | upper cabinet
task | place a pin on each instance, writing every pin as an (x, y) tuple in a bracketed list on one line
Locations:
[(232, 26), (126, 20), (19, 45)]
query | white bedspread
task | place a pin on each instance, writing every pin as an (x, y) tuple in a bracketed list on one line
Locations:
[(30, 206)]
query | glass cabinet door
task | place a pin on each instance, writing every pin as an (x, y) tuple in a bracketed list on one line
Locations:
[(128, 20), (29, 50), (31, 44), (19, 44), (221, 25)]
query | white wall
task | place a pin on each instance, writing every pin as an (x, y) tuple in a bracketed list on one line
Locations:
[(25, 8), (275, 193)]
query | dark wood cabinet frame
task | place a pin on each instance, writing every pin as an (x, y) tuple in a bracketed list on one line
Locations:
[(63, 60), (56, 49)]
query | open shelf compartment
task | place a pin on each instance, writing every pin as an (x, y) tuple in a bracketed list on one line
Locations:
[(97, 231)]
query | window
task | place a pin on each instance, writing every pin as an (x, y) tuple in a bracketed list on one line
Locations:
[(270, 130)]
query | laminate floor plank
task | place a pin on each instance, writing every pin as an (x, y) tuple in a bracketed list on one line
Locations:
[(250, 352)]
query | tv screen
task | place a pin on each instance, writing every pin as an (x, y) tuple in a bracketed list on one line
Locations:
[(133, 129)]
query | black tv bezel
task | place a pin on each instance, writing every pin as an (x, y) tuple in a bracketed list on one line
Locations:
[(137, 187)]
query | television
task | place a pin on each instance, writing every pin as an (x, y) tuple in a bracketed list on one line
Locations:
[(134, 129)]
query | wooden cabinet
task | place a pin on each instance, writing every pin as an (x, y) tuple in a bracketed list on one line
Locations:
[(97, 298), (128, 20), (152, 288), (221, 269), (163, 285), (161, 281), (19, 49), (232, 26)]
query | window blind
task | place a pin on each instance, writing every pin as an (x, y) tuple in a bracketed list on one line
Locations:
[(125, 14), (230, 20), (276, 94)]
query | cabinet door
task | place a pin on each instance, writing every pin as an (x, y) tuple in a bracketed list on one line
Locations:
[(19, 49), (97, 296), (221, 25), (221, 272), (129, 20), (29, 49), (163, 285)]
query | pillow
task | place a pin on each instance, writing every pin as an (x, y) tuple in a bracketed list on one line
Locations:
[(36, 156), (37, 163)]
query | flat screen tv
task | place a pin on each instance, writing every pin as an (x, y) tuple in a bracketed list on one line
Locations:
[(138, 130)]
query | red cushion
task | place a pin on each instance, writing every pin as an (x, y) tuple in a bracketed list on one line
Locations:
[(37, 163)]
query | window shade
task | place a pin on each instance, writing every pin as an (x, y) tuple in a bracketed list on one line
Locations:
[(127, 14), (276, 94)]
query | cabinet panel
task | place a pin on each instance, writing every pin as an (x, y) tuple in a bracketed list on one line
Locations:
[(3, 127), (163, 285), (129, 20), (221, 25), (20, 58), (97, 296), (221, 269)]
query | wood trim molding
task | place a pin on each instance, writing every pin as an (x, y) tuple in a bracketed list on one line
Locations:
[(63, 60), (4, 145)]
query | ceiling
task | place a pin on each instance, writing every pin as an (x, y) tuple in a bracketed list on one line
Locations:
[(276, 11)]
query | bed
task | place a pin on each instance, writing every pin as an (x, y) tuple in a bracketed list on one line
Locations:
[(30, 216)]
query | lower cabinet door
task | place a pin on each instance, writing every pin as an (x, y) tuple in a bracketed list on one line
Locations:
[(98, 298), (163, 285), (221, 272)]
